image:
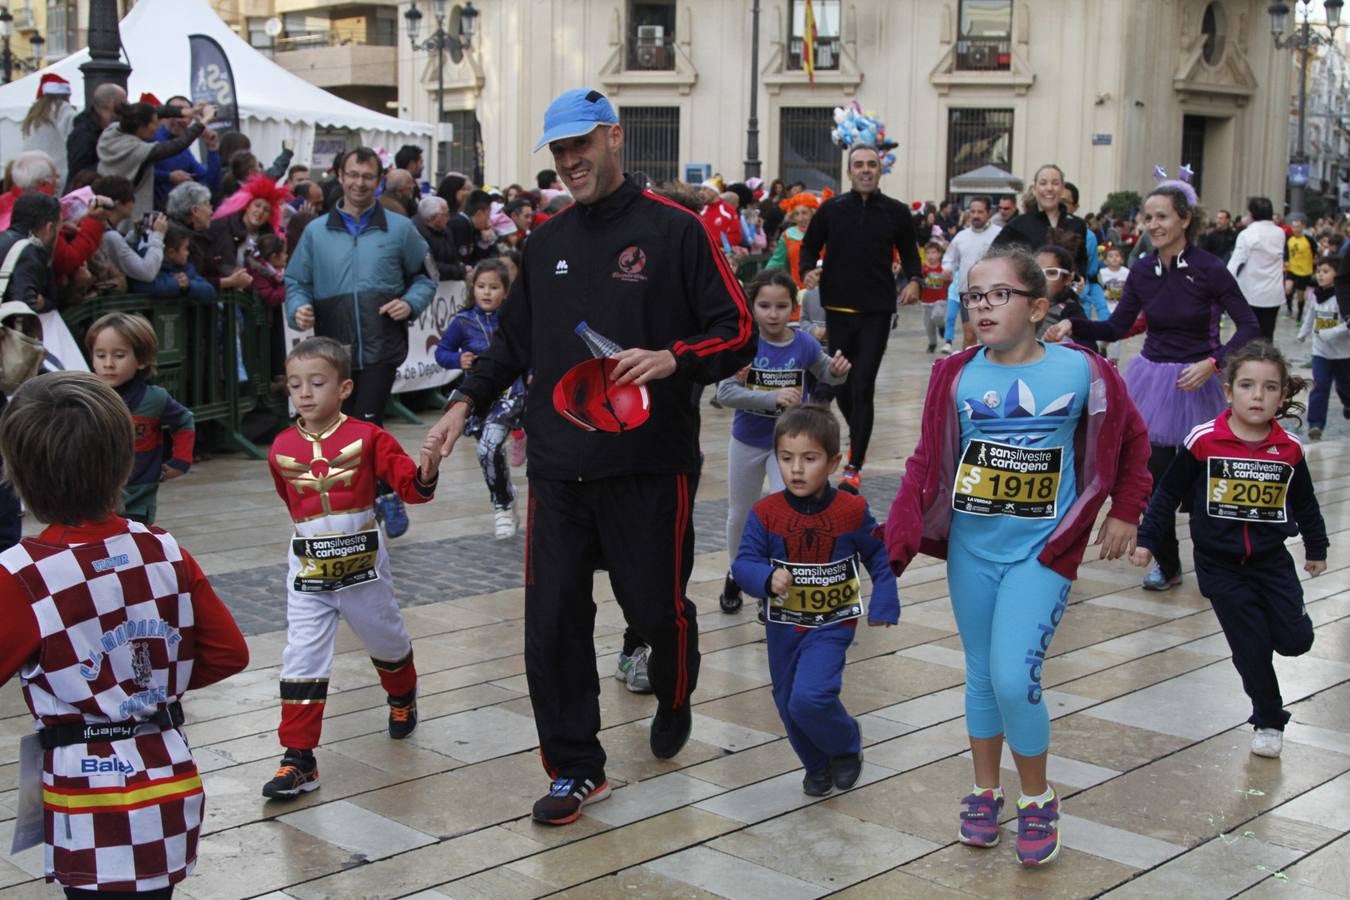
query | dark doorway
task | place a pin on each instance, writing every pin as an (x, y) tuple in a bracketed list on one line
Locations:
[(1193, 149)]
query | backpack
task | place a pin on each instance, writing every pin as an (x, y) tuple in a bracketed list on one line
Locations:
[(21, 350)]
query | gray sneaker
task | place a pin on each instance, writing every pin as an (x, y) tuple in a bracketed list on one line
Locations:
[(635, 678)]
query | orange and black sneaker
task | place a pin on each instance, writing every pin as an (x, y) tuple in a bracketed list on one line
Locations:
[(298, 774), (851, 480), (403, 715)]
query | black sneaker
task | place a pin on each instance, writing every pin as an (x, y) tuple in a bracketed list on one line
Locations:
[(845, 770), (670, 730), (562, 804), (403, 715), (1345, 412), (817, 784), (297, 775), (730, 598)]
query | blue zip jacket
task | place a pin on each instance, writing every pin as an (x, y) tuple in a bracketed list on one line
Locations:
[(346, 278), (166, 285), (208, 175), (471, 331)]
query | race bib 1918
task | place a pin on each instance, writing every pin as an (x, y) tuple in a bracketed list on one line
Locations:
[(335, 562), (773, 381), (821, 593), (1248, 490), (1002, 480)]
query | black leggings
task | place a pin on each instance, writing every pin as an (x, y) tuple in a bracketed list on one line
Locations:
[(1165, 549), (1266, 317), (80, 894), (371, 389), (862, 338)]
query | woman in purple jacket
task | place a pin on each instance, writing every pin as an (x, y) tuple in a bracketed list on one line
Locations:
[(1182, 292)]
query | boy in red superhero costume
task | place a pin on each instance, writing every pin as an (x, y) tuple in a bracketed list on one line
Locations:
[(326, 469)]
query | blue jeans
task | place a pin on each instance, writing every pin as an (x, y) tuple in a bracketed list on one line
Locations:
[(1325, 373)]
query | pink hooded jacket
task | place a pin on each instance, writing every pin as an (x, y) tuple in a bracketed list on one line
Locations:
[(1111, 452)]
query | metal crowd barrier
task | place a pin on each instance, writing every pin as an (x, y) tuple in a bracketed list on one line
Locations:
[(201, 346)]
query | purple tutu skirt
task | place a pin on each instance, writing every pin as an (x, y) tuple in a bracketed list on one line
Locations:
[(1170, 412)]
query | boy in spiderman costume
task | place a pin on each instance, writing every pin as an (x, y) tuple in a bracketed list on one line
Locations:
[(802, 549), (326, 468)]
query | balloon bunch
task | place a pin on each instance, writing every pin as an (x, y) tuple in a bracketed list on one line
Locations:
[(852, 126)]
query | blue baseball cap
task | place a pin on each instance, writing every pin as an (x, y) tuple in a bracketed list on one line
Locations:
[(575, 113)]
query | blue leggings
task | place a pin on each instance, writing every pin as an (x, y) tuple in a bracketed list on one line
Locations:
[(1007, 614), (807, 668)]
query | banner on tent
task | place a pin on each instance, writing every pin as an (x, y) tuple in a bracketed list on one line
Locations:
[(420, 369), (212, 80)]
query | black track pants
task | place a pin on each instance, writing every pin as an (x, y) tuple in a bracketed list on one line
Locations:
[(641, 527), (862, 337)]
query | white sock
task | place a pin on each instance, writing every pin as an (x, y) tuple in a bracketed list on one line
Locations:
[(997, 791), (1024, 801)]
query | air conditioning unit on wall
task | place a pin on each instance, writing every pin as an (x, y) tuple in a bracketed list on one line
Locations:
[(650, 52)]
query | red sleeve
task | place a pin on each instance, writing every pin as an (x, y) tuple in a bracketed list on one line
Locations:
[(220, 648), (69, 255), (1139, 327), (22, 638), (1134, 483), (398, 470)]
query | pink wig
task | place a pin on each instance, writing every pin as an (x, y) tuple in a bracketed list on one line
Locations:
[(257, 187)]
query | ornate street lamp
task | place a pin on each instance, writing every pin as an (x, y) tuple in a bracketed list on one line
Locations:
[(1302, 40), (8, 61), (464, 22)]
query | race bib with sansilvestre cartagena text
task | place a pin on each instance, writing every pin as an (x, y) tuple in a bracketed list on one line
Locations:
[(1002, 480), (1248, 490), (334, 562), (821, 593)]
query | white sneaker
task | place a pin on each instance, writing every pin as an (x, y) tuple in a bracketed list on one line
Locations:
[(947, 348), (505, 524), (1268, 742)]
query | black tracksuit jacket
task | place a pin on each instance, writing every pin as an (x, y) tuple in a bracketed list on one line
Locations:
[(643, 272), (859, 235)]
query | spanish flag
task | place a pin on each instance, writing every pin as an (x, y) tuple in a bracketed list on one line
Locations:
[(809, 42)]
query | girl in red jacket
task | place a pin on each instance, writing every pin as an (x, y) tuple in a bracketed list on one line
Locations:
[(1021, 443)]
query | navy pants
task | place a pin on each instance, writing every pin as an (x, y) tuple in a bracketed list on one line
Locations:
[(1259, 604), (1326, 373), (807, 668)]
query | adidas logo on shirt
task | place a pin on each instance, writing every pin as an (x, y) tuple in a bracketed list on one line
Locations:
[(560, 268)]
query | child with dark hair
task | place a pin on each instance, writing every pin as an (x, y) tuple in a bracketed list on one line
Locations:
[(107, 624), (788, 364), (177, 276), (122, 348), (802, 551), (1330, 348), (933, 292), (468, 335), (1250, 491), (267, 265)]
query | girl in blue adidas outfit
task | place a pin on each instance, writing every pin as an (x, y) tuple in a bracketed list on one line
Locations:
[(1021, 443), (787, 364)]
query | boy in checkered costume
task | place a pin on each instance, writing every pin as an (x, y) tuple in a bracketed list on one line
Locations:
[(107, 623), (326, 467)]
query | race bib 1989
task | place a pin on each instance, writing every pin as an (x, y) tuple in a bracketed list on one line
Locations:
[(335, 562), (1002, 480), (1248, 490), (772, 381), (821, 593)]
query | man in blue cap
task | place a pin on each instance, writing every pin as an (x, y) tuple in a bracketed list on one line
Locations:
[(626, 268)]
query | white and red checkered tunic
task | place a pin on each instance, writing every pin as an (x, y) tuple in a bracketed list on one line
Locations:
[(115, 620)]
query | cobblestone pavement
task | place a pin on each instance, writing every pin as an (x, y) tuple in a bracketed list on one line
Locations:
[(1149, 749)]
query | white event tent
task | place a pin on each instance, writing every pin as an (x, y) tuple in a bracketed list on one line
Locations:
[(274, 105)]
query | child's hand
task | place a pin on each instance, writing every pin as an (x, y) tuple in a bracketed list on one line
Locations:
[(1116, 538), (838, 365), (789, 396), (428, 463), (1302, 338), (743, 374), (169, 473), (781, 582), (1141, 557), (466, 360), (1315, 567), (182, 279)]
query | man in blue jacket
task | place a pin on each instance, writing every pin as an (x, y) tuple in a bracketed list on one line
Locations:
[(172, 171), (359, 276)]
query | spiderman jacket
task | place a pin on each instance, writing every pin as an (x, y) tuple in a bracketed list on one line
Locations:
[(643, 272)]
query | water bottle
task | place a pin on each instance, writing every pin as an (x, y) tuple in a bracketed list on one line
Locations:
[(599, 345)]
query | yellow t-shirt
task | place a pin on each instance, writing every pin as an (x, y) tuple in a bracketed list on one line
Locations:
[(1300, 253)]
